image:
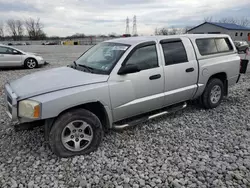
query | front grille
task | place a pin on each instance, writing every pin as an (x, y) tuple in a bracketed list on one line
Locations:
[(9, 109), (9, 103)]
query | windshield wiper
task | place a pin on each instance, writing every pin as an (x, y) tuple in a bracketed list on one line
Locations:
[(74, 65), (90, 69)]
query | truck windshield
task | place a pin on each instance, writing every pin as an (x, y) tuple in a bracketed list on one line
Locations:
[(101, 58)]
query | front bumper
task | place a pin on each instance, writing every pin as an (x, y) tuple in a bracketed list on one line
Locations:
[(11, 103), (41, 62)]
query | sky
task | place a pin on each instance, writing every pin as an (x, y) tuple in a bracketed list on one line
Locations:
[(67, 17)]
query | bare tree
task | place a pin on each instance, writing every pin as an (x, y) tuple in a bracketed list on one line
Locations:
[(162, 31), (19, 28), (34, 29), (168, 31), (15, 28), (11, 27), (208, 19), (186, 29), (245, 22), (1, 30), (239, 21), (229, 20), (173, 31)]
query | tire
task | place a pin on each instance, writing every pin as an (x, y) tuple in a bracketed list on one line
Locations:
[(63, 140), (208, 98), (30, 63)]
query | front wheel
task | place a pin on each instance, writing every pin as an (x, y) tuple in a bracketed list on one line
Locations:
[(213, 94), (75, 132), (30, 63)]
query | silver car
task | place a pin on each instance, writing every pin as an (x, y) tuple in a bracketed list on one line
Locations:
[(120, 83), (12, 57)]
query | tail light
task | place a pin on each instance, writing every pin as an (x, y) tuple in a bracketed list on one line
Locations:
[(243, 65)]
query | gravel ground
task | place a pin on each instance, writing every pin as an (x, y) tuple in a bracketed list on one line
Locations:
[(191, 148)]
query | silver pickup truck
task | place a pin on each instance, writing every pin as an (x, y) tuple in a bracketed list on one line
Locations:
[(120, 83)]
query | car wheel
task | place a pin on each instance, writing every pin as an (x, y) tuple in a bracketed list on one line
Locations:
[(30, 63), (75, 132), (213, 94)]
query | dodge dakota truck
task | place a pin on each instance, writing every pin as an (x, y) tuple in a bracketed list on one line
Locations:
[(122, 82)]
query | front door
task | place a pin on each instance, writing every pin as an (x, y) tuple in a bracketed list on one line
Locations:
[(9, 57), (136, 93), (181, 70)]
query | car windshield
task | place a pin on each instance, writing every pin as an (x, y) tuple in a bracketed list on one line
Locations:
[(101, 58)]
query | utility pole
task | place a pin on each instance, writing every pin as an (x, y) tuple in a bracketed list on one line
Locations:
[(134, 27), (127, 26)]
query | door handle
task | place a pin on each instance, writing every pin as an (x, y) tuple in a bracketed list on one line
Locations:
[(190, 69), (154, 77)]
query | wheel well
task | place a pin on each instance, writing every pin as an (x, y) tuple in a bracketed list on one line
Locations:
[(223, 77), (96, 108), (30, 58)]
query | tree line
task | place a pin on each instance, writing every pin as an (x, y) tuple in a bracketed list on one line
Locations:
[(17, 29), (245, 22), (33, 29)]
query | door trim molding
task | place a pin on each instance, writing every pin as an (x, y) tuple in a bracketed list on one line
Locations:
[(151, 97), (136, 101), (180, 90)]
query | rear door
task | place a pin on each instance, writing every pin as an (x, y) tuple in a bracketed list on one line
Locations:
[(180, 70), (9, 57)]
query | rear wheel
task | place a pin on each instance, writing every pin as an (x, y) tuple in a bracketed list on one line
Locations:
[(30, 63), (213, 94), (75, 132)]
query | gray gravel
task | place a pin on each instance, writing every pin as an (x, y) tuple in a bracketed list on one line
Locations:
[(191, 148)]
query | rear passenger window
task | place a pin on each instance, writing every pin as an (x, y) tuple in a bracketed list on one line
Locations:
[(206, 46), (223, 45), (174, 52), (144, 57), (213, 46), (4, 50)]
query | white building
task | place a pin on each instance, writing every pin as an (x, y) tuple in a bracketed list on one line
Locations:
[(237, 32)]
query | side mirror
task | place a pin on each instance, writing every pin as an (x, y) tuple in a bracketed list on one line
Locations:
[(15, 52), (130, 68)]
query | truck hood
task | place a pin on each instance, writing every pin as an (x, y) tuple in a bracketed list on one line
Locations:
[(52, 80)]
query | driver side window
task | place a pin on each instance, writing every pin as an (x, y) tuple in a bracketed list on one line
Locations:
[(144, 57)]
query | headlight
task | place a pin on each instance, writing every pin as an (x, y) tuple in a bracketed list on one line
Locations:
[(29, 109)]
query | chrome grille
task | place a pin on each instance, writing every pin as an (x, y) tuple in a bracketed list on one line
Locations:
[(9, 100), (9, 109)]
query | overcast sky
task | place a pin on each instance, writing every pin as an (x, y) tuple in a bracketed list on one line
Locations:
[(67, 17)]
